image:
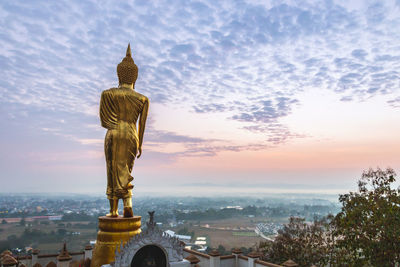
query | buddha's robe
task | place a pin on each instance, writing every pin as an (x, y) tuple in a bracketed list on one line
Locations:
[(120, 109)]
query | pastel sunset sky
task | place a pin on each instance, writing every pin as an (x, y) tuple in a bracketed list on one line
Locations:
[(245, 96)]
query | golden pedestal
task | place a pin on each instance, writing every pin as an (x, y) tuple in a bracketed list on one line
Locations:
[(111, 232)]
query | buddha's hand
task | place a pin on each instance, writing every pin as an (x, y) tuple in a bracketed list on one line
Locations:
[(139, 152)]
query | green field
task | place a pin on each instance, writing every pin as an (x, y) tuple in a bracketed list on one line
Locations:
[(48, 238)]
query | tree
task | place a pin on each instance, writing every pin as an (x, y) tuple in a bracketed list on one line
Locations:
[(367, 227), (221, 249), (365, 232), (3, 221), (305, 243), (246, 250)]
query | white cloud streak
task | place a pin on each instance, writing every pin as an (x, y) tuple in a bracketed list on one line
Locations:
[(245, 59)]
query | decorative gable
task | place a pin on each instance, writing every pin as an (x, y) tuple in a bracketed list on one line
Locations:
[(153, 236)]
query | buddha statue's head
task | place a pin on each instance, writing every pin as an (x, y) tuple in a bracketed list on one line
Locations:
[(127, 70)]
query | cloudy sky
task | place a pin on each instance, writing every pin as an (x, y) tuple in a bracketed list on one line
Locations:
[(258, 96)]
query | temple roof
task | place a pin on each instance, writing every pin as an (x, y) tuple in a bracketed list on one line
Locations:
[(214, 253), (8, 260), (192, 259), (254, 254), (5, 252), (51, 264), (290, 263), (237, 251), (64, 255)]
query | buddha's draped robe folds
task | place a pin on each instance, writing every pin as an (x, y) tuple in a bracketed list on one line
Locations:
[(120, 109)]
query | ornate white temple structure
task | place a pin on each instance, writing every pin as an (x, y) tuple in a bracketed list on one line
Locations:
[(150, 248)]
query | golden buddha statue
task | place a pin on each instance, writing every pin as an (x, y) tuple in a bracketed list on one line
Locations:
[(120, 109)]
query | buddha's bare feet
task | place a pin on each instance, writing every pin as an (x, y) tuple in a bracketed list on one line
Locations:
[(113, 214), (128, 212), (113, 208)]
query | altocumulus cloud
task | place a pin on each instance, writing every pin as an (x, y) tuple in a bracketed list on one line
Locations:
[(245, 59)]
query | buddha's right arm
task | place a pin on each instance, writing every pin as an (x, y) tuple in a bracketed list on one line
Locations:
[(108, 115)]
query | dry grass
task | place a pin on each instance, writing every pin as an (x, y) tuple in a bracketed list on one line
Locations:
[(226, 238)]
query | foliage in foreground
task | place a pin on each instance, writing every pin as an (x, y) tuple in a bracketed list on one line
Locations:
[(368, 225), (300, 241), (365, 232)]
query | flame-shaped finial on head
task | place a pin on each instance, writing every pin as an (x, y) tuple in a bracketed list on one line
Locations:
[(128, 50), (127, 70)]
